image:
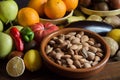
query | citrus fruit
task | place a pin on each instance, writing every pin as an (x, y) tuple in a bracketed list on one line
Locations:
[(71, 4), (55, 9), (32, 60), (15, 67), (27, 16), (114, 34), (38, 5)]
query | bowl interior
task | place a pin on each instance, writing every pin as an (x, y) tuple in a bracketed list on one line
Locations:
[(97, 37)]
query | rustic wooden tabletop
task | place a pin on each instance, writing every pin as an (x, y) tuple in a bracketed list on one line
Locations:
[(110, 72)]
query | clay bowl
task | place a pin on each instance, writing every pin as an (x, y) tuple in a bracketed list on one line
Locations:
[(100, 13), (75, 73), (57, 21)]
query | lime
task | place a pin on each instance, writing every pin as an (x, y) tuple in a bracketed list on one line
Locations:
[(15, 67), (114, 34), (32, 60)]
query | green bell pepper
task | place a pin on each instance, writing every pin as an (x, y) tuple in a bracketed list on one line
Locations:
[(27, 34)]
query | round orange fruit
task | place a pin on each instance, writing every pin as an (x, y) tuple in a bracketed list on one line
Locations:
[(38, 5), (27, 16), (55, 9), (71, 4)]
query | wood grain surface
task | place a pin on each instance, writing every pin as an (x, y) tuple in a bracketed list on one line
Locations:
[(110, 72)]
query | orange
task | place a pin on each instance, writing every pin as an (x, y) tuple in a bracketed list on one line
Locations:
[(27, 16), (71, 4), (38, 5), (55, 9)]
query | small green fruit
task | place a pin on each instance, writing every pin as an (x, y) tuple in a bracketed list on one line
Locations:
[(8, 10), (6, 44)]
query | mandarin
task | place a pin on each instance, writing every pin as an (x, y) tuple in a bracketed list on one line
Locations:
[(55, 9), (38, 5), (71, 4), (27, 16)]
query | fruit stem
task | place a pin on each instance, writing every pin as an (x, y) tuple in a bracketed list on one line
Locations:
[(11, 24)]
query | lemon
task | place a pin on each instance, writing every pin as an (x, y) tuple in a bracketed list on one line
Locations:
[(15, 67), (114, 34), (32, 60)]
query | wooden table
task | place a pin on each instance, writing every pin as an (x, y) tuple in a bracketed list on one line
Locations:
[(110, 72)]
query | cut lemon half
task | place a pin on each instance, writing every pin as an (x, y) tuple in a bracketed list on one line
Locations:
[(15, 67)]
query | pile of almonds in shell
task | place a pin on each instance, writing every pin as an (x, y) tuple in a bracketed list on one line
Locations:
[(74, 50)]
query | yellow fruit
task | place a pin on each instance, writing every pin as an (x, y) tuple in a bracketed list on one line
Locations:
[(15, 67), (27, 16), (55, 9), (38, 5), (71, 4), (32, 60), (114, 34)]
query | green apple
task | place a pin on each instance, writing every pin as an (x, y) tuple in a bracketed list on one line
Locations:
[(1, 26), (17, 26), (6, 44), (8, 10)]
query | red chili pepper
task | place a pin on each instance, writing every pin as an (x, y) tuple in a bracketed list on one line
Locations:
[(14, 32)]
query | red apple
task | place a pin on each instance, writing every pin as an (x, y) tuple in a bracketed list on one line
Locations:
[(41, 30)]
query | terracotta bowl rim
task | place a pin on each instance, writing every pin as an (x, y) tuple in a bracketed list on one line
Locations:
[(100, 64)]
